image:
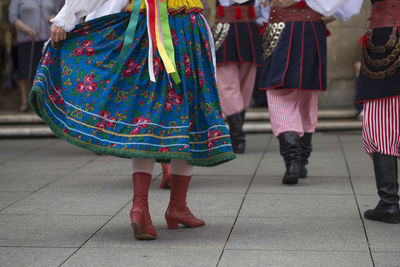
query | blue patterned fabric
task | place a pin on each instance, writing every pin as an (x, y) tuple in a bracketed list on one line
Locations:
[(125, 114)]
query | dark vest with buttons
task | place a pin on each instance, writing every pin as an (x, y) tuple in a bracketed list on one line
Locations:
[(380, 71), (295, 50), (242, 45)]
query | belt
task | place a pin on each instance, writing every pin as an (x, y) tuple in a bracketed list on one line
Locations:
[(293, 13), (385, 14), (231, 14)]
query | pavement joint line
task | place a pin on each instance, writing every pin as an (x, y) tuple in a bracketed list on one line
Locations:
[(37, 247), (14, 191), (302, 194), (300, 250), (356, 200), (42, 187), (294, 217), (20, 155), (84, 164), (27, 152), (98, 230), (244, 198), (33, 192), (55, 214)]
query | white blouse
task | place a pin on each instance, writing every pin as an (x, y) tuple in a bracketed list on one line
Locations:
[(74, 10), (231, 2), (109, 7), (343, 9)]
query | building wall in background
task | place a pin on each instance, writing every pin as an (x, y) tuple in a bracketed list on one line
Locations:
[(343, 52)]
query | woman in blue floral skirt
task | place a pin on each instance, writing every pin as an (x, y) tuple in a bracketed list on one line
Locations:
[(139, 86)]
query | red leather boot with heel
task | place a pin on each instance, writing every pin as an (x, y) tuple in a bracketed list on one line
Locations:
[(140, 216), (178, 212), (166, 179)]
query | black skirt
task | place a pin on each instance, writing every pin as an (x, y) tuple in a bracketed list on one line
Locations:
[(299, 61), (242, 45), (368, 88), (24, 58)]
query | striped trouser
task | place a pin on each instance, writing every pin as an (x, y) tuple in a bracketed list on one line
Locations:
[(293, 111), (381, 126), (235, 86)]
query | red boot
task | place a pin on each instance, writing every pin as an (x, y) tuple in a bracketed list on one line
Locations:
[(166, 179), (178, 212), (141, 221)]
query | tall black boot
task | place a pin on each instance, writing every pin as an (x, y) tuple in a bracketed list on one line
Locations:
[(290, 148), (238, 136), (243, 114), (386, 177), (306, 149)]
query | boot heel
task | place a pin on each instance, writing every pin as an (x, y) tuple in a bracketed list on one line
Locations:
[(172, 224), (137, 218)]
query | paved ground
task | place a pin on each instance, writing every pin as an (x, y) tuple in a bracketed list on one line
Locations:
[(60, 205)]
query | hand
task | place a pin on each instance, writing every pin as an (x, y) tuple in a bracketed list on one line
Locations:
[(265, 3), (57, 35), (30, 31), (327, 20), (126, 8), (282, 3)]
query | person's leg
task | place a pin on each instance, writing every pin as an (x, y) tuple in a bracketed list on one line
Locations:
[(23, 87), (231, 100), (287, 126), (228, 83), (247, 74), (381, 138), (166, 176), (178, 212), (284, 111), (140, 216), (309, 116)]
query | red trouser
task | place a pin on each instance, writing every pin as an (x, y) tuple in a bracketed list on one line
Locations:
[(293, 111), (235, 86), (381, 126)]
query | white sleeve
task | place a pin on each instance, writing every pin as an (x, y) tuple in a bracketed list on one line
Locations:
[(73, 10), (110, 7), (231, 2), (225, 2), (262, 13), (350, 9), (326, 7)]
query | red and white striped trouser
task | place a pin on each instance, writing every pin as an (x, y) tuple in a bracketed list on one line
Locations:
[(235, 86), (293, 111), (381, 126)]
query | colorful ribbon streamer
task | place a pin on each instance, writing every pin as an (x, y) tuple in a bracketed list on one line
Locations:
[(159, 34), (129, 36)]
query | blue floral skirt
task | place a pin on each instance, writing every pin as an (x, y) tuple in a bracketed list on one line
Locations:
[(123, 113)]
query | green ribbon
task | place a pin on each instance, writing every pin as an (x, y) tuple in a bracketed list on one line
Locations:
[(167, 38), (129, 36)]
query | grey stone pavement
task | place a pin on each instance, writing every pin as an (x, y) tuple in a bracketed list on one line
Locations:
[(63, 206)]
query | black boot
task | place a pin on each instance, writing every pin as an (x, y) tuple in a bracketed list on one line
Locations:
[(386, 177), (243, 114), (306, 149), (238, 136), (289, 143)]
